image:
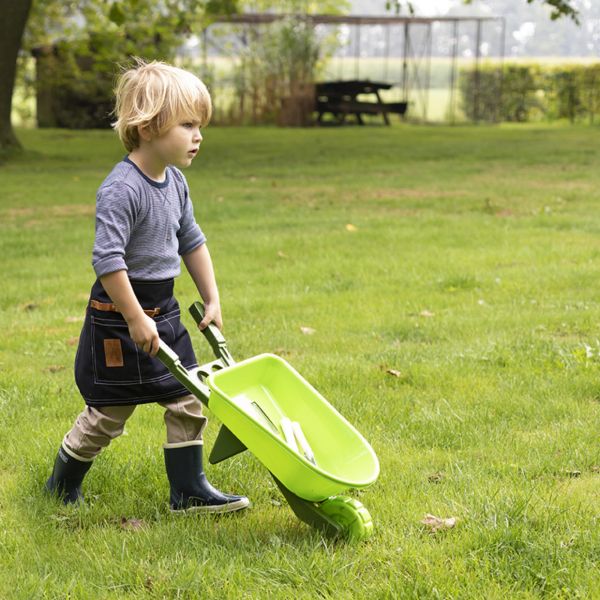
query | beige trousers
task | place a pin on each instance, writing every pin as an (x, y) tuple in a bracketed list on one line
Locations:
[(95, 428)]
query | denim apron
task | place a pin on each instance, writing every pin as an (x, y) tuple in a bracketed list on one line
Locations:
[(110, 369)]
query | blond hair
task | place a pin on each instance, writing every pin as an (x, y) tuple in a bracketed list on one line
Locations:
[(156, 95)]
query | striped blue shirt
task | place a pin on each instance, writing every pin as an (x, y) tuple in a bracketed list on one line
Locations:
[(143, 226)]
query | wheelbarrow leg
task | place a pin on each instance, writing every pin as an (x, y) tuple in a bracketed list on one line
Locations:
[(309, 512), (226, 445)]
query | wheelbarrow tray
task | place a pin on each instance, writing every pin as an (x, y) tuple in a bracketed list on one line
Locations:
[(252, 396)]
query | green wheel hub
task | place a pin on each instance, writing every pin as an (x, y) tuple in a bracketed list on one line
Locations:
[(349, 515)]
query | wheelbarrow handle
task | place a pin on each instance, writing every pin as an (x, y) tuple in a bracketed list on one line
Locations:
[(213, 335), (171, 360)]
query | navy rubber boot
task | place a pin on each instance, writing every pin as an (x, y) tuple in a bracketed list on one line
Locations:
[(190, 490), (67, 477)]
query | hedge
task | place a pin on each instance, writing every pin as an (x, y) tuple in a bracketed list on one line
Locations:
[(531, 92)]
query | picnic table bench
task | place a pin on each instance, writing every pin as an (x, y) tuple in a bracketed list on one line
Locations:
[(340, 99)]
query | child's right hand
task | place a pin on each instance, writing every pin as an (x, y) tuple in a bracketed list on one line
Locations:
[(143, 332)]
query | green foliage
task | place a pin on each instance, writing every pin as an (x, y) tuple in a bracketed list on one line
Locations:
[(561, 8), (279, 63), (573, 93), (80, 46), (297, 7), (53, 20), (521, 92), (77, 77), (481, 92)]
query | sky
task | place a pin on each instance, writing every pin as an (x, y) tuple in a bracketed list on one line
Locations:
[(529, 29), (431, 7)]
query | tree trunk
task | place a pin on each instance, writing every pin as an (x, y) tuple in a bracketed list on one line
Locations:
[(12, 24)]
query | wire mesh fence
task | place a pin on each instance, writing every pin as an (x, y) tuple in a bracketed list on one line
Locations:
[(422, 60)]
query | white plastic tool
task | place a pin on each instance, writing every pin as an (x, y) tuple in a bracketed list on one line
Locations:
[(288, 433), (303, 443)]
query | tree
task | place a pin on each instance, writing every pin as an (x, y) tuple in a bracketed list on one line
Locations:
[(63, 18), (12, 25)]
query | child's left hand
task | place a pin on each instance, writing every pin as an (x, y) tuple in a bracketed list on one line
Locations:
[(212, 314)]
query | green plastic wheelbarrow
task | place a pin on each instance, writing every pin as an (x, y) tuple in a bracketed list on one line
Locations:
[(267, 407)]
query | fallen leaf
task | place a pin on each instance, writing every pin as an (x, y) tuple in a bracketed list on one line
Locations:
[(54, 368), (132, 524), (436, 523), (350, 227), (394, 372), (72, 341), (595, 469), (307, 330), (74, 319), (426, 313), (436, 477), (282, 352), (281, 254)]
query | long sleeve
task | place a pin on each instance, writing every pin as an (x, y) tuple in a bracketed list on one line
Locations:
[(116, 210), (190, 235)]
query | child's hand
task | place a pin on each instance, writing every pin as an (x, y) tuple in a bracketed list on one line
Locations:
[(212, 314), (143, 332)]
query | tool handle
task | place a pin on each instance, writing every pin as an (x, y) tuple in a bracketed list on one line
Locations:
[(167, 356), (193, 384), (213, 335)]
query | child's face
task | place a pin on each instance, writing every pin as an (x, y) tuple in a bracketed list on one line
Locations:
[(178, 145)]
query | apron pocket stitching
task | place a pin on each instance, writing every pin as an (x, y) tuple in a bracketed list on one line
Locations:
[(114, 322), (135, 381), (173, 314), (137, 359), (171, 326)]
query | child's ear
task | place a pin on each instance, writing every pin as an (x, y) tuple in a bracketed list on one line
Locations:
[(144, 133)]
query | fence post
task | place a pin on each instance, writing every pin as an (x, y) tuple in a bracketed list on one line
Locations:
[(453, 71), (499, 103), (477, 73)]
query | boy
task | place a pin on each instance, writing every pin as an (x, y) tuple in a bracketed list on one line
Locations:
[(144, 224)]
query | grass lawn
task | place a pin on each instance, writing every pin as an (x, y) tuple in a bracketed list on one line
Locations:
[(470, 268)]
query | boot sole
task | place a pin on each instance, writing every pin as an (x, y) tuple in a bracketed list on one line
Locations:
[(213, 508)]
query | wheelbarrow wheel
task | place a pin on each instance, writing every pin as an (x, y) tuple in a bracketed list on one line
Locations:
[(350, 516)]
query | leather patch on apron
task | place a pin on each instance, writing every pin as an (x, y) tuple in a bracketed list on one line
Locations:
[(113, 353)]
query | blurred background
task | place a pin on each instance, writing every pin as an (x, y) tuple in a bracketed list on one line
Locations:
[(265, 62)]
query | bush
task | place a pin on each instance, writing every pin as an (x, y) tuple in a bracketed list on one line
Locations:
[(573, 92), (276, 73), (74, 80), (527, 93)]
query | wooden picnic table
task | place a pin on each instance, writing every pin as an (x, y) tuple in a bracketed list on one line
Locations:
[(340, 99)]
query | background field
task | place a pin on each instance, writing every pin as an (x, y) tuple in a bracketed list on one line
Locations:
[(471, 269), (434, 103), (429, 83)]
